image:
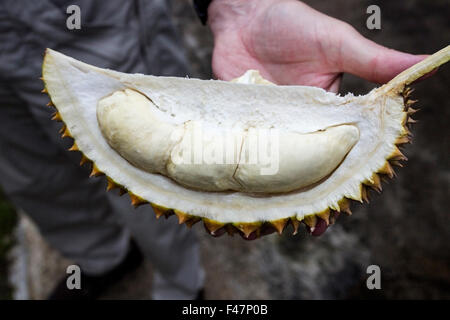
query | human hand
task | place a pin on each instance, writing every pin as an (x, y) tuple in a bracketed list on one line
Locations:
[(291, 43)]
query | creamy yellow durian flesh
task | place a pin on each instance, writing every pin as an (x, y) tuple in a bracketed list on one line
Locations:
[(187, 146), (194, 153)]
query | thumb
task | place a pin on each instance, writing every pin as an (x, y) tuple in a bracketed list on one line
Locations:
[(368, 60)]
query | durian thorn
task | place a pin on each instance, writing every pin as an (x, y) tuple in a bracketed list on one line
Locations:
[(396, 163), (397, 155), (412, 111), (403, 140), (374, 182), (410, 102), (335, 207), (411, 120), (407, 92), (359, 196), (407, 131), (334, 216), (212, 225), (84, 160), (44, 90), (159, 210), (311, 222), (95, 171), (182, 217), (295, 224), (136, 201), (66, 133), (325, 215), (56, 116), (348, 211), (247, 228), (365, 194), (387, 170), (193, 220), (41, 78), (384, 178), (344, 206), (50, 104), (111, 184), (279, 225), (122, 191), (74, 147)]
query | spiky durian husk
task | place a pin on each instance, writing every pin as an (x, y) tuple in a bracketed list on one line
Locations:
[(315, 223)]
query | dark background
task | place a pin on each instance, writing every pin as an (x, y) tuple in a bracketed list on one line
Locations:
[(405, 230)]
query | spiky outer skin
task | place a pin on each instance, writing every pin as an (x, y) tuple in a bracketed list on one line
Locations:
[(315, 223)]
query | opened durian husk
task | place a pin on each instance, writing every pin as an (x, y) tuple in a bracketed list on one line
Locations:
[(331, 149)]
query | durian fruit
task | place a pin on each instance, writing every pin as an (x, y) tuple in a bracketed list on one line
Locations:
[(245, 156)]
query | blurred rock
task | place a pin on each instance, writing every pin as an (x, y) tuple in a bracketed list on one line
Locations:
[(37, 268)]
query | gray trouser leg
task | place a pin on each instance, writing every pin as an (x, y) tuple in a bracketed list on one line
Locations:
[(172, 248)]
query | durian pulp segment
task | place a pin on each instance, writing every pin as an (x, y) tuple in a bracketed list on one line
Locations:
[(286, 161)]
